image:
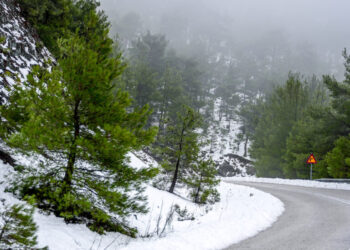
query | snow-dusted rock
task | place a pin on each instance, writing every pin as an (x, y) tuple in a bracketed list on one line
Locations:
[(20, 48)]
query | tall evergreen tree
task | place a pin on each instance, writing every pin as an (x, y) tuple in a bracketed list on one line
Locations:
[(314, 132), (340, 94), (282, 110), (171, 93), (180, 146), (51, 19), (72, 117), (250, 114), (54, 19), (150, 49), (338, 160)]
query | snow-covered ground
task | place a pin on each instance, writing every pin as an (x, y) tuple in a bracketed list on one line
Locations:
[(222, 137), (222, 134), (20, 48), (302, 183), (241, 213)]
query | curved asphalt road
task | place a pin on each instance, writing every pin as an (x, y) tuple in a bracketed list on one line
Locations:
[(314, 219)]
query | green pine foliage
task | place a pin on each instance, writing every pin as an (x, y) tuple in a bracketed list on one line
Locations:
[(314, 119), (55, 19), (158, 77), (338, 160), (315, 133), (179, 147), (171, 97), (17, 228), (150, 48), (82, 128), (50, 19), (202, 181), (281, 111), (340, 94), (250, 114)]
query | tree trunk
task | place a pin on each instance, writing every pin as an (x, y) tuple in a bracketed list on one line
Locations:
[(73, 149), (4, 228), (161, 118), (196, 198), (173, 183), (245, 146), (172, 187)]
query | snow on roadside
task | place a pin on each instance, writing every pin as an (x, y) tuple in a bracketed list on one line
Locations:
[(302, 183), (241, 213)]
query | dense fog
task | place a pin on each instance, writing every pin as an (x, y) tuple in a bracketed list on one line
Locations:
[(312, 28)]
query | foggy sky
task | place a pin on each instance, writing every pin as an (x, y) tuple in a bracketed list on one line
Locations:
[(323, 23), (315, 31)]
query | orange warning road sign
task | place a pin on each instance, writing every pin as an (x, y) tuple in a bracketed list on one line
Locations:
[(311, 159)]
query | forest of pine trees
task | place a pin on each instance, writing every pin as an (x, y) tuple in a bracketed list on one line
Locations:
[(83, 112), (303, 116), (98, 99)]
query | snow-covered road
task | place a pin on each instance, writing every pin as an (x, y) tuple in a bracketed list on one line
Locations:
[(314, 219)]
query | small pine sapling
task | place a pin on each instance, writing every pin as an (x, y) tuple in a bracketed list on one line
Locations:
[(202, 182), (17, 227)]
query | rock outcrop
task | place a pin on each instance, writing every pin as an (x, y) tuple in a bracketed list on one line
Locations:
[(235, 165), (20, 46)]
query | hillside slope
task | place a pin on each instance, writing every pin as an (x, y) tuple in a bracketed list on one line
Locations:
[(20, 47), (223, 147), (241, 213)]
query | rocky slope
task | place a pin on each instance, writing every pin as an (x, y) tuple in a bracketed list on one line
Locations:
[(20, 47), (223, 148)]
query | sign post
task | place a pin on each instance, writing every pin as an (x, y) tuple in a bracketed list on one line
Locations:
[(311, 160), (311, 172)]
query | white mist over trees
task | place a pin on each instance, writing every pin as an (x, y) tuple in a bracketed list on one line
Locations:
[(254, 57), (310, 35)]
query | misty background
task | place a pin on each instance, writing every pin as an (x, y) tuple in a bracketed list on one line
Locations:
[(299, 36)]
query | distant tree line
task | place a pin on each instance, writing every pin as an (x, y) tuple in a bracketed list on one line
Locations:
[(302, 116)]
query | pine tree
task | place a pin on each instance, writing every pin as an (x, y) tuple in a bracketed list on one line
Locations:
[(338, 160), (54, 19), (171, 96), (340, 93), (314, 132), (193, 84), (202, 180), (82, 128), (150, 49), (281, 111), (17, 228), (51, 19), (180, 148), (250, 114)]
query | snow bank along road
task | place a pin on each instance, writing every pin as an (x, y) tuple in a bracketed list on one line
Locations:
[(314, 219)]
